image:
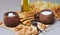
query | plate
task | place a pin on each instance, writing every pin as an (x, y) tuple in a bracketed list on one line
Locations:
[(52, 30)]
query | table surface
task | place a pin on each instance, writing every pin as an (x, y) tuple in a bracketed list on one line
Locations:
[(15, 5)]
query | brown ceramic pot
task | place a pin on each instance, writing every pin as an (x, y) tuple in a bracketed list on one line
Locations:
[(11, 21), (46, 19)]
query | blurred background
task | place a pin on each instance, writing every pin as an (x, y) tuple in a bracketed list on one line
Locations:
[(14, 5)]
